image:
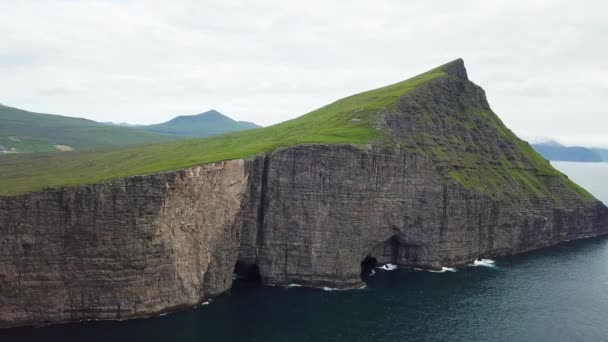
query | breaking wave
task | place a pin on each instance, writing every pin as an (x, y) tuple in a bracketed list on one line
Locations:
[(483, 263), (443, 270), (325, 288), (388, 267)]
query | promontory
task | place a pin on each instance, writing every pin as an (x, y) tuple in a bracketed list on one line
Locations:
[(420, 173)]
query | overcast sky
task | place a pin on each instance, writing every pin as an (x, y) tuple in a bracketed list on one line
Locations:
[(543, 64)]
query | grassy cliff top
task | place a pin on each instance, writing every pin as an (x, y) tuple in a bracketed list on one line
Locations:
[(347, 121), (448, 122)]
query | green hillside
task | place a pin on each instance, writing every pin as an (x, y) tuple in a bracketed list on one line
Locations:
[(200, 125), (23, 131), (347, 121)]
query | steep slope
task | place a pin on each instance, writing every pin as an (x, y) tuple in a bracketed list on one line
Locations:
[(201, 125), (434, 129), (23, 131), (420, 174), (347, 121)]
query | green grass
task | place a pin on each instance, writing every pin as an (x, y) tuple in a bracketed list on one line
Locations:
[(347, 121), (514, 169), (23, 131), (519, 167)]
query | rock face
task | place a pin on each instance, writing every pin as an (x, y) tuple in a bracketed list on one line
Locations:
[(122, 249), (308, 214)]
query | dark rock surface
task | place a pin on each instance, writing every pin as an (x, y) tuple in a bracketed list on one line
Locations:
[(308, 214), (121, 249)]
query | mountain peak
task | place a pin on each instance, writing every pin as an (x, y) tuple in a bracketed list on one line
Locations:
[(212, 112), (456, 68), (200, 125), (208, 115)]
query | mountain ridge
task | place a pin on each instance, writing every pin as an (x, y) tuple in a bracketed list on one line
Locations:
[(204, 124), (26, 131), (346, 121), (360, 119), (555, 151)]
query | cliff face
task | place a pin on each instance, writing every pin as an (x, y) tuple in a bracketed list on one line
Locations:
[(325, 209), (122, 249), (452, 184)]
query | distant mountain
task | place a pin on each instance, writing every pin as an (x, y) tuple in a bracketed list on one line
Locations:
[(603, 153), (552, 150), (23, 131), (123, 124), (200, 125)]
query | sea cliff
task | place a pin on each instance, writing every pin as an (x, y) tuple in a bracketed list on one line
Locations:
[(446, 184)]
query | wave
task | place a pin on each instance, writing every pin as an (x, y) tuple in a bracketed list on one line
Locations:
[(372, 273), (203, 303), (388, 267), (483, 263), (325, 288), (293, 285), (443, 270)]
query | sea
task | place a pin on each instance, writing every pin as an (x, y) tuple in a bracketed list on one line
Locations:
[(556, 294)]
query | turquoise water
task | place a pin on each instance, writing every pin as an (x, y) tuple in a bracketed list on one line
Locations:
[(558, 294)]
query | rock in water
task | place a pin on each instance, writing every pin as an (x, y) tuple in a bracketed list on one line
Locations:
[(446, 184)]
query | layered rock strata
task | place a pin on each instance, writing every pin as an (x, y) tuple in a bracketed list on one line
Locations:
[(307, 214)]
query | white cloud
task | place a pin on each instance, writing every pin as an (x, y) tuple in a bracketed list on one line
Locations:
[(542, 63)]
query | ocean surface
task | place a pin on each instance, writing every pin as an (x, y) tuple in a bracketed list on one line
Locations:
[(557, 294)]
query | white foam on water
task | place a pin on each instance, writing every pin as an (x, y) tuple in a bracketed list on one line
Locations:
[(372, 273), (388, 267), (325, 288), (483, 263), (443, 270), (293, 285)]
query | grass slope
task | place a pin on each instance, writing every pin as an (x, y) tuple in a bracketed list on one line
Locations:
[(347, 121), (201, 125), (23, 131)]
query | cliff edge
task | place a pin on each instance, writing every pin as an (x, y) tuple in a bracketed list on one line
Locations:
[(421, 173)]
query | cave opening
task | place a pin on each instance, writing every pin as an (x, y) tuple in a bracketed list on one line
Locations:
[(247, 272), (367, 265)]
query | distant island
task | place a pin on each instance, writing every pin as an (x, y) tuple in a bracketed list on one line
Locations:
[(555, 151)]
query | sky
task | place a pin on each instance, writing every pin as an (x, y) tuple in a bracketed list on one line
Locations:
[(543, 64)]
